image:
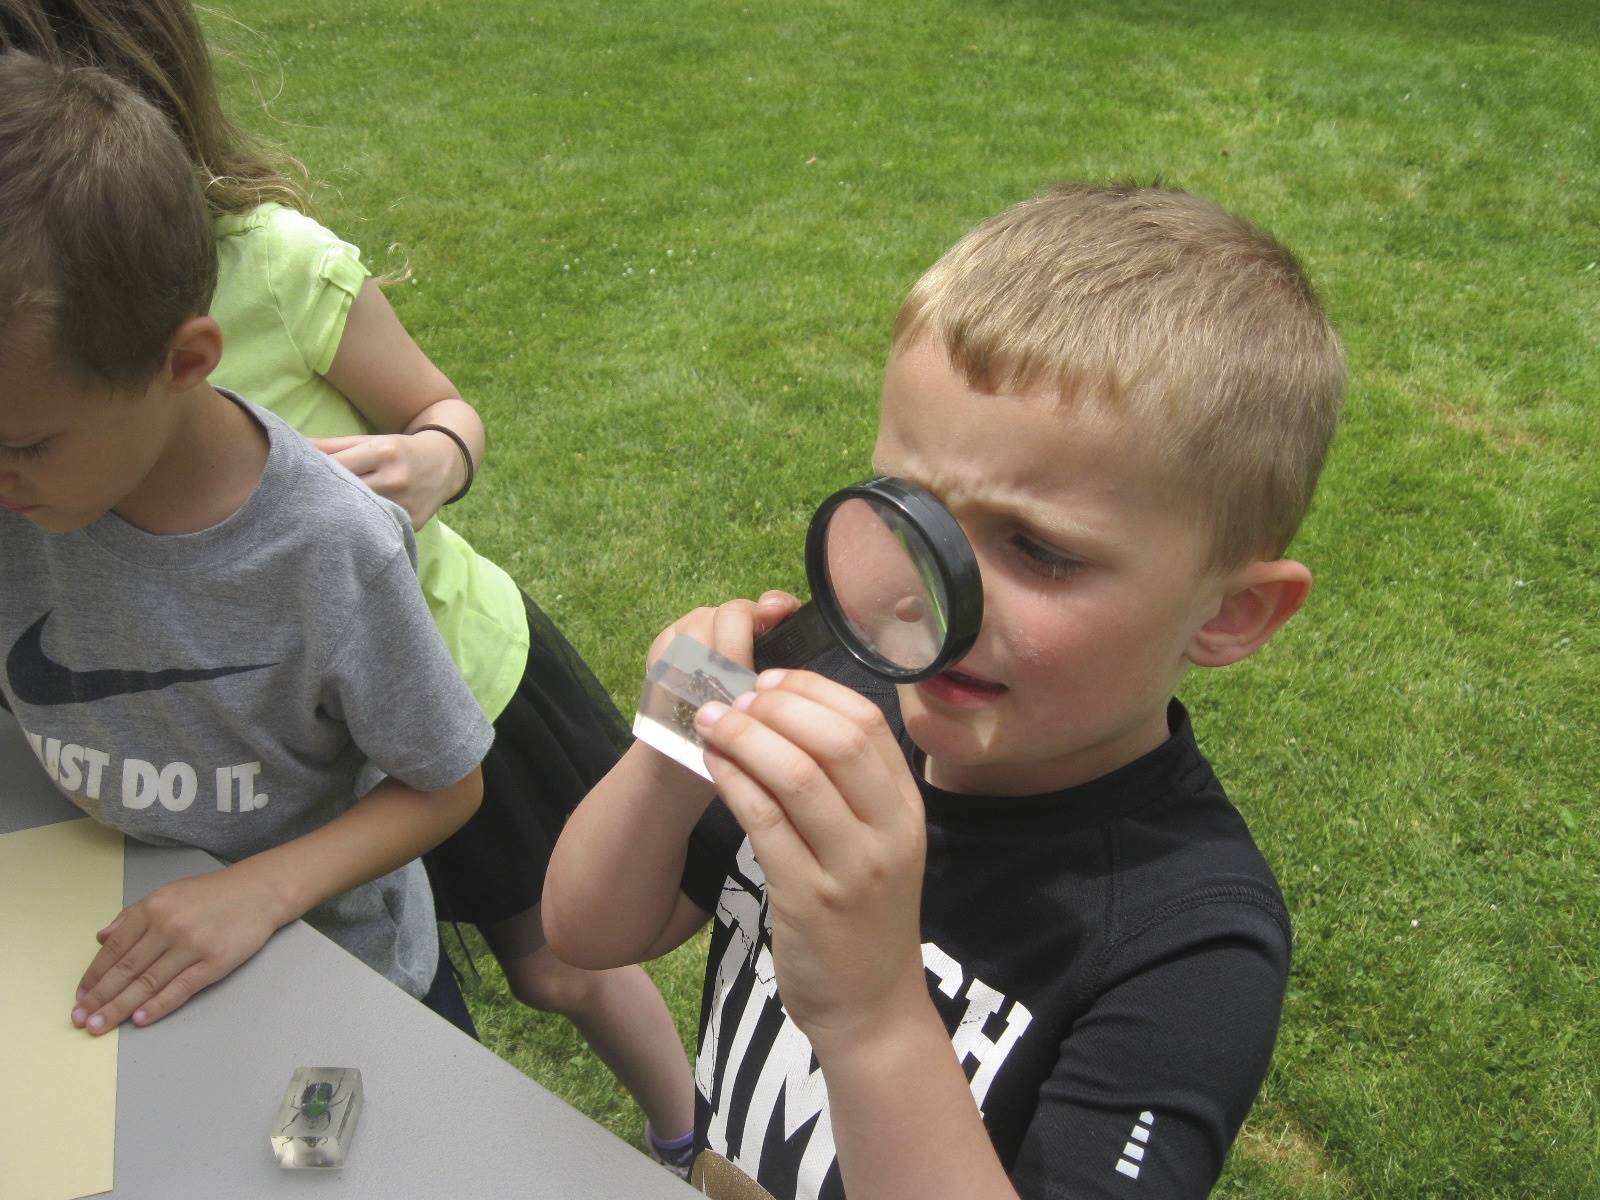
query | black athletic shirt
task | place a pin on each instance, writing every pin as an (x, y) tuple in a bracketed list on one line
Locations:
[(1110, 960)]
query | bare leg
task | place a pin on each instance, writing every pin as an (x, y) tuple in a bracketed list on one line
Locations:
[(619, 1013)]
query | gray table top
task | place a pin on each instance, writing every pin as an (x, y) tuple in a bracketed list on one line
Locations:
[(196, 1092)]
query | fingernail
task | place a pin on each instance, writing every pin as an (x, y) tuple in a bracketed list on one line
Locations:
[(710, 713), (97, 1022), (79, 1016), (140, 1017), (770, 679), (744, 700)]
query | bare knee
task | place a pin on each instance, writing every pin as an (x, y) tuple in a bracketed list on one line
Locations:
[(541, 980)]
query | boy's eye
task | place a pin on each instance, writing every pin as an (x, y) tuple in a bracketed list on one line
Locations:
[(31, 451), (1041, 560)]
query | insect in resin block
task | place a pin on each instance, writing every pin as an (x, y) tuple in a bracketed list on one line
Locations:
[(317, 1120)]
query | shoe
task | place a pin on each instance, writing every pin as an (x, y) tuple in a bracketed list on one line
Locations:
[(674, 1157)]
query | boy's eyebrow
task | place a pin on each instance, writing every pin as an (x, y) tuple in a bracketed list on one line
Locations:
[(1059, 532)]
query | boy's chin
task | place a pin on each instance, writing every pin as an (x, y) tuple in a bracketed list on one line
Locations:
[(54, 521), (962, 738)]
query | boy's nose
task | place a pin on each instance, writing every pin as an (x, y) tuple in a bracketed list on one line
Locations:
[(13, 492), (987, 573)]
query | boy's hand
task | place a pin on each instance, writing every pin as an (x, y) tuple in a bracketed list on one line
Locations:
[(419, 473), (817, 781), (623, 850), (730, 629), (179, 939)]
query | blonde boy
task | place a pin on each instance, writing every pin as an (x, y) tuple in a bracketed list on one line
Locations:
[(1000, 932)]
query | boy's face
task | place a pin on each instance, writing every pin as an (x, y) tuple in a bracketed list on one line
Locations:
[(73, 447), (1092, 582)]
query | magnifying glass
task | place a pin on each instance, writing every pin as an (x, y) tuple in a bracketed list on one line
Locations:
[(893, 580)]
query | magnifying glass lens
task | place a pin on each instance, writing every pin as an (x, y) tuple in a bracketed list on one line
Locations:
[(887, 582), (893, 580)]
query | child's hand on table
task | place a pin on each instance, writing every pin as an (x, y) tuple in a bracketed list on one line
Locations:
[(179, 939), (820, 786)]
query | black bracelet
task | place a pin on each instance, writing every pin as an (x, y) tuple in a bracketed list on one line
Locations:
[(466, 456)]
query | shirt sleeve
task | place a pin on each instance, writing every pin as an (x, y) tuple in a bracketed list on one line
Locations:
[(314, 278), (1155, 1078), (393, 683)]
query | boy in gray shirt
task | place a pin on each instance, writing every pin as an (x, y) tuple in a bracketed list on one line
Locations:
[(212, 634)]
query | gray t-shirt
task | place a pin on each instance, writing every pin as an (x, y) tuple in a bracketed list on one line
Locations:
[(236, 688)]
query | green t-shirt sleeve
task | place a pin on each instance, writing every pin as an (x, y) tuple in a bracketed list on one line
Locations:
[(314, 278)]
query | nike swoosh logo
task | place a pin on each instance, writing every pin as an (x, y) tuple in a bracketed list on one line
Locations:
[(39, 680)]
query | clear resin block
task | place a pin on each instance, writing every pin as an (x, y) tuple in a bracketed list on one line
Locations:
[(317, 1120)]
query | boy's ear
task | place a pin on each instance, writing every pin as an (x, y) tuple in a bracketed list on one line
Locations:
[(1257, 600), (194, 352)]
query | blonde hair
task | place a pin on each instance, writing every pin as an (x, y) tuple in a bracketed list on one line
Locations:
[(157, 47), (1181, 321)]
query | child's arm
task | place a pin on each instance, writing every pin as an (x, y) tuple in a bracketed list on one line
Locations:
[(187, 935), (611, 892), (385, 374), (820, 786)]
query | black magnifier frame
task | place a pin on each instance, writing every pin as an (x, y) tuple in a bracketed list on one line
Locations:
[(822, 622)]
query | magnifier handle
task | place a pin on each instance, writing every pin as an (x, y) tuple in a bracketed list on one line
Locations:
[(798, 640)]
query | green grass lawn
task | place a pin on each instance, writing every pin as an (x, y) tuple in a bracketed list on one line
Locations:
[(660, 246)]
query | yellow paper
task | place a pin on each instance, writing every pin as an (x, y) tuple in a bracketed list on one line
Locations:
[(59, 885)]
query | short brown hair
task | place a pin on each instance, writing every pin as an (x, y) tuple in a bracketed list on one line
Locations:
[(105, 240), (1177, 318)]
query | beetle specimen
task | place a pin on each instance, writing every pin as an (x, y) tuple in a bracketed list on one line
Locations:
[(317, 1103)]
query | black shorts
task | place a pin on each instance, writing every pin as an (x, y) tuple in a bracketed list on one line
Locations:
[(554, 741)]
